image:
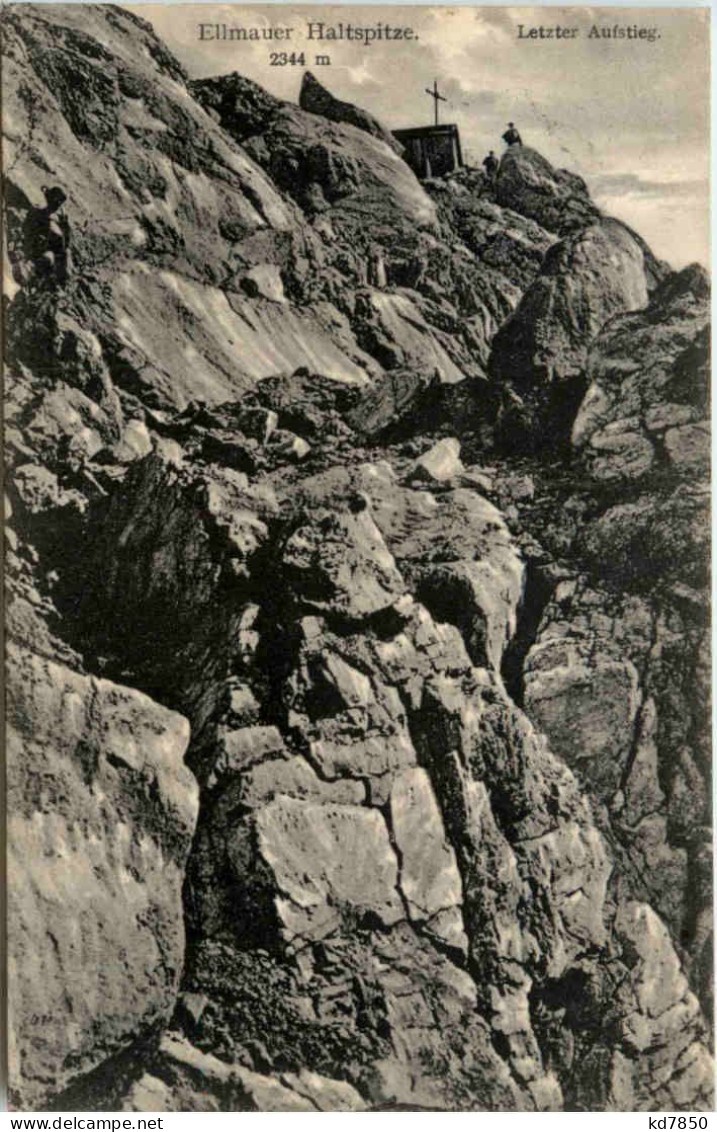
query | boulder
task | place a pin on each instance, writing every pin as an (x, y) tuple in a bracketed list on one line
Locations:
[(585, 280), (440, 463)]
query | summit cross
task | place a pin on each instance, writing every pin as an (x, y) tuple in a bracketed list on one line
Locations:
[(436, 97)]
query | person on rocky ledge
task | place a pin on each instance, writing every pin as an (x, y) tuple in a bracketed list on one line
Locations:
[(46, 240), (491, 165), (511, 135)]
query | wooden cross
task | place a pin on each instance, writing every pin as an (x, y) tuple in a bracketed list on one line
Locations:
[(436, 97)]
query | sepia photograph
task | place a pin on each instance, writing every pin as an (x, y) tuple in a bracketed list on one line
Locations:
[(356, 400)]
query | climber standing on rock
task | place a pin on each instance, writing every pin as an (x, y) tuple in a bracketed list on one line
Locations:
[(511, 135), (491, 165), (376, 269), (46, 238)]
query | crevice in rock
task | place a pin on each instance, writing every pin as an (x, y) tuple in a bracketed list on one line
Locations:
[(537, 591)]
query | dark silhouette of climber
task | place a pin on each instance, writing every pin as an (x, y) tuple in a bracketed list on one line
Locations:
[(46, 239), (491, 165), (511, 135)]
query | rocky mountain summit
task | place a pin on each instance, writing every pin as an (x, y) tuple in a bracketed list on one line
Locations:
[(357, 608)]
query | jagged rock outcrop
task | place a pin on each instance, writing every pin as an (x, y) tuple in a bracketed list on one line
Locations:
[(558, 200), (645, 410), (444, 703), (452, 547), (317, 162), (318, 100), (295, 852)]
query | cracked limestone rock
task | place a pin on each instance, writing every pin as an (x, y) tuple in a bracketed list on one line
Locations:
[(325, 859), (102, 813), (646, 404), (339, 563)]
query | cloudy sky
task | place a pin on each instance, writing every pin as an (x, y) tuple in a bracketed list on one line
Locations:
[(630, 116)]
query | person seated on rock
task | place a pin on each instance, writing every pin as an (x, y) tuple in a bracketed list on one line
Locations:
[(47, 240), (511, 135), (491, 165), (376, 269)]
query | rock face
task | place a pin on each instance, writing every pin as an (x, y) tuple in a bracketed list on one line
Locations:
[(102, 812), (617, 679), (441, 463), (585, 279), (642, 412), (599, 269), (318, 100), (558, 200), (359, 755), (317, 162), (162, 219)]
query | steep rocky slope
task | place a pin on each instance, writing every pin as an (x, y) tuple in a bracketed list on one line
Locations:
[(361, 758)]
